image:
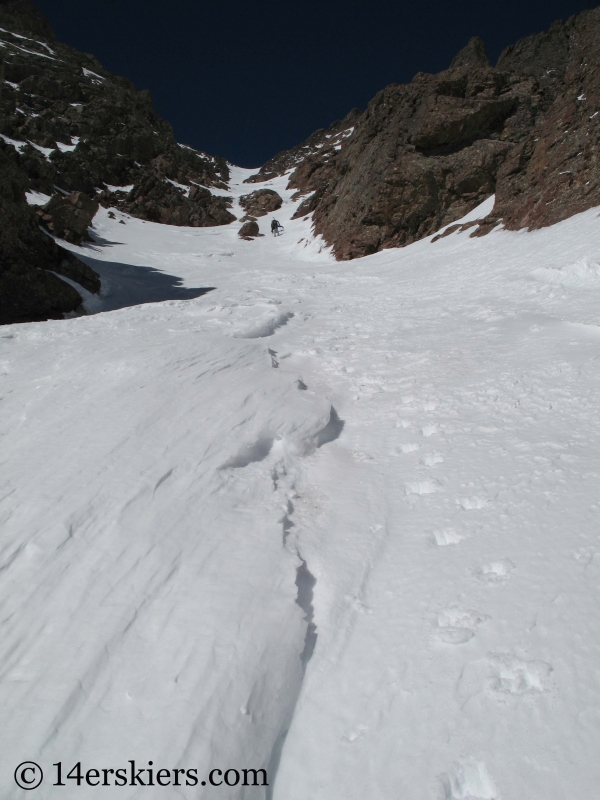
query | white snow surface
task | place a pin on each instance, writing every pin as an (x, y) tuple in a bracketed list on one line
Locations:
[(170, 471), (27, 38), (35, 198), (89, 74), (18, 145), (68, 148), (124, 189)]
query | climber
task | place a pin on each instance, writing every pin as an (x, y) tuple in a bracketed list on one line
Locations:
[(275, 227)]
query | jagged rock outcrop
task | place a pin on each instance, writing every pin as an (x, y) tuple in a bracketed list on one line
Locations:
[(24, 16), (472, 55), (423, 154), (28, 291), (555, 170), (261, 202), (69, 217), (162, 201), (89, 129), (321, 144), (69, 126)]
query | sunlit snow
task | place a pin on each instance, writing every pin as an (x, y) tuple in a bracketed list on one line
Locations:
[(398, 455)]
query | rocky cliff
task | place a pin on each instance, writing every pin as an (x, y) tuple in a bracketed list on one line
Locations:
[(423, 154), (73, 135), (28, 292)]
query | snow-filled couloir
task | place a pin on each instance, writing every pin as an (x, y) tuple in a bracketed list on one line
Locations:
[(337, 520)]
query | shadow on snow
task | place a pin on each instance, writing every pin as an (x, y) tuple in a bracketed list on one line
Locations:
[(124, 285)]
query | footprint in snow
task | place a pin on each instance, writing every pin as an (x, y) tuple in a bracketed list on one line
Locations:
[(357, 604), (410, 447), (457, 625), (448, 536), (472, 503), (469, 780), (356, 733), (504, 674), (365, 457), (513, 676), (496, 571), (429, 430), (585, 554), (422, 487), (431, 459)]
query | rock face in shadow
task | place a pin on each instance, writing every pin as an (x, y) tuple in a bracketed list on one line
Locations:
[(261, 202), (98, 132), (69, 127), (69, 217), (27, 291), (472, 55), (158, 200), (25, 16), (424, 154)]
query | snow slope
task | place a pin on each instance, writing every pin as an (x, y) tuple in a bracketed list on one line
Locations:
[(403, 450)]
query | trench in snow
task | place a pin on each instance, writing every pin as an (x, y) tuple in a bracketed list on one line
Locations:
[(305, 583)]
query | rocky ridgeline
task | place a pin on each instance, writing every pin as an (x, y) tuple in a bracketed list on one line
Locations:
[(78, 135), (424, 154), (320, 145)]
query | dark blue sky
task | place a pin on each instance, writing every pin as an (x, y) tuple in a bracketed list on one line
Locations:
[(247, 79)]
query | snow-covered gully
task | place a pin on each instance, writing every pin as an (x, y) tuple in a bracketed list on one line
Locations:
[(339, 520)]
